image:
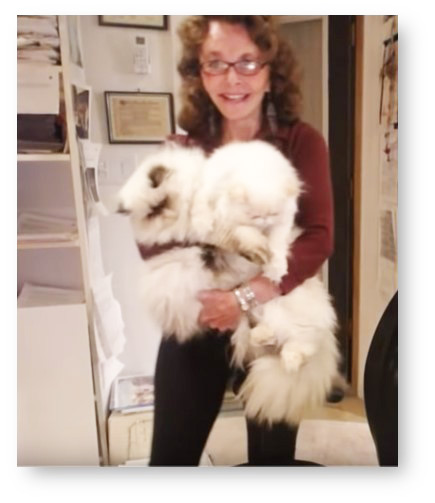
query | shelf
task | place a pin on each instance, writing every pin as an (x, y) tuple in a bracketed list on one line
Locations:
[(36, 245), (43, 157), (38, 65), (53, 305)]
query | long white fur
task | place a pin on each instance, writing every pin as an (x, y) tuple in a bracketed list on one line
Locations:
[(285, 386), (243, 200)]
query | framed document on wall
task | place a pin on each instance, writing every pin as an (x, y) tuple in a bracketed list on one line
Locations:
[(151, 22), (135, 117)]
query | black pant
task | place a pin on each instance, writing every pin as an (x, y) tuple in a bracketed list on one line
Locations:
[(190, 382), (381, 385)]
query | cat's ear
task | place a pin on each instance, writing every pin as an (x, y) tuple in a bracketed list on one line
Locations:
[(157, 175)]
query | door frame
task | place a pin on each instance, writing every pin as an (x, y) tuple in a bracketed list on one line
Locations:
[(341, 140), (340, 105)]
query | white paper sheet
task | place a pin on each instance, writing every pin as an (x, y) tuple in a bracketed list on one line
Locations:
[(108, 369), (90, 152), (96, 267), (108, 317), (108, 323)]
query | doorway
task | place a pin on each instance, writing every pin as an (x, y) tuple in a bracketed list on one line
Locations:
[(325, 47)]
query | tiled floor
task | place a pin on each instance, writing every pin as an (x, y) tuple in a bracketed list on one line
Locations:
[(336, 434)]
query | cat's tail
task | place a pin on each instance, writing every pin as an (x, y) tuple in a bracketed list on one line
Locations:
[(273, 394)]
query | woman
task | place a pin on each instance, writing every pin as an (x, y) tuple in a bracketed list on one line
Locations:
[(235, 72)]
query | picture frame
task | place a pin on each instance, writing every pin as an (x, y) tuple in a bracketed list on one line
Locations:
[(139, 117), (149, 22)]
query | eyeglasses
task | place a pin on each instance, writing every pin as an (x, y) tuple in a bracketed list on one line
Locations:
[(245, 67)]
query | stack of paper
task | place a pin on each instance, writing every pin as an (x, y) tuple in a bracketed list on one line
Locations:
[(38, 39), (35, 227), (41, 125), (35, 295)]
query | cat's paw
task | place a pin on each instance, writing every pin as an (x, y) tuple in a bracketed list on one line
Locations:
[(274, 271), (262, 335)]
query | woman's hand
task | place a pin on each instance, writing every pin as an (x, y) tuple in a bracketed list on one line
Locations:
[(221, 309)]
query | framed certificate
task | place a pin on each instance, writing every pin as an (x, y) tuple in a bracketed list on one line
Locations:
[(152, 22), (135, 117)]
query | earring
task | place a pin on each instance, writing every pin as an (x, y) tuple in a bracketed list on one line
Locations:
[(212, 121), (270, 112)]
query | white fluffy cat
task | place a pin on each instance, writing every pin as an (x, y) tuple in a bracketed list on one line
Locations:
[(242, 201)]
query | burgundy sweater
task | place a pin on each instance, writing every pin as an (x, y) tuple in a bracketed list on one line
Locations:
[(307, 151)]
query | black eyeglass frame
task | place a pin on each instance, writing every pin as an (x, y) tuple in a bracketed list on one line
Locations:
[(234, 65)]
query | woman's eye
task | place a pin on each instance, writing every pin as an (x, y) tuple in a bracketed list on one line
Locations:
[(248, 65), (215, 65)]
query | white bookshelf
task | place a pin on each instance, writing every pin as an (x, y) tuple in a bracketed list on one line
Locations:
[(61, 420)]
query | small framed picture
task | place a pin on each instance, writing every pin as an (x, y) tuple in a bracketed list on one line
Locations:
[(152, 22), (135, 117), (82, 110)]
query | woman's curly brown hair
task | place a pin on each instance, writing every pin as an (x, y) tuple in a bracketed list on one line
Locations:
[(197, 108)]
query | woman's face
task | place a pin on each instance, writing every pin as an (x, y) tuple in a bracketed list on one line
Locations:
[(237, 97)]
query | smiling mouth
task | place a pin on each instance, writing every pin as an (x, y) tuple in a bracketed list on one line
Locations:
[(234, 98)]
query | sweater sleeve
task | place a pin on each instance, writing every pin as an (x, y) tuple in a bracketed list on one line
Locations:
[(309, 154)]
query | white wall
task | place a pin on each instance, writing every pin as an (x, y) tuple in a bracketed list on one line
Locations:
[(108, 61), (373, 299)]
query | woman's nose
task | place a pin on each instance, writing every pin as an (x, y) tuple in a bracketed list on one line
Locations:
[(232, 76)]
